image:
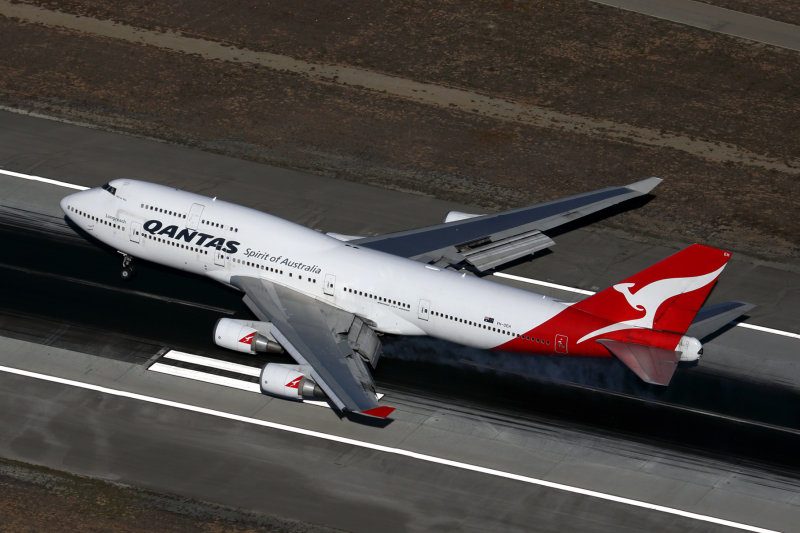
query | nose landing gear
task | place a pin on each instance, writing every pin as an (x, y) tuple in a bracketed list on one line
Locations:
[(128, 270)]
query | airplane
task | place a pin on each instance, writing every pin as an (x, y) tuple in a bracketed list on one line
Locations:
[(326, 298)]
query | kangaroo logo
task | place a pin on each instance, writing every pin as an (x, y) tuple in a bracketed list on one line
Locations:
[(650, 297)]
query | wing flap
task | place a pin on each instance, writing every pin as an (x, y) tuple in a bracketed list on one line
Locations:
[(654, 365), (315, 334), (504, 251)]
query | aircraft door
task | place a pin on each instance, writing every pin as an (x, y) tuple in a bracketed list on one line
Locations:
[(424, 310), (330, 284), (219, 258), (136, 231), (193, 218), (561, 344)]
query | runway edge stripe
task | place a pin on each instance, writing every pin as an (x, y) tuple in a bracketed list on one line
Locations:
[(43, 180), (385, 449)]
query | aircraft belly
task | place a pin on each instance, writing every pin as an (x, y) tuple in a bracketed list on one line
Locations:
[(387, 321)]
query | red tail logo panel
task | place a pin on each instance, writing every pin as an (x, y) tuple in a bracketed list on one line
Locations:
[(664, 297)]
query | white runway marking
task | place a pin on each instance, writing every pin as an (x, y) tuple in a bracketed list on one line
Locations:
[(213, 363), (542, 283), (43, 180), (769, 330), (498, 274), (206, 377), (385, 449)]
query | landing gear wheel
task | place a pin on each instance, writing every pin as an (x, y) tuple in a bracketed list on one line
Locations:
[(127, 267), (127, 273)]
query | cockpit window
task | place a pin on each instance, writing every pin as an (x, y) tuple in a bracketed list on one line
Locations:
[(109, 188)]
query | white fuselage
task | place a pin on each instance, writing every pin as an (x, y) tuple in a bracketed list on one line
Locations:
[(218, 239)]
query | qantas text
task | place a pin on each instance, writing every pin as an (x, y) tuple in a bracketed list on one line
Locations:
[(155, 227)]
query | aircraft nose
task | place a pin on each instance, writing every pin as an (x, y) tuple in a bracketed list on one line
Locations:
[(64, 202), (76, 198)]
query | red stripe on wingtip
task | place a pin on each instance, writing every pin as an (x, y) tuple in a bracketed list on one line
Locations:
[(379, 412)]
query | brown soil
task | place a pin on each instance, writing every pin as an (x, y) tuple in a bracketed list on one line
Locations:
[(578, 57), (289, 119), (36, 499)]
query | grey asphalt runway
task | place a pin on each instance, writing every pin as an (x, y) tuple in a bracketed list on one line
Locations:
[(112, 435), (716, 19)]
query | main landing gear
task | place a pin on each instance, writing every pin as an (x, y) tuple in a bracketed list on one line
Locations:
[(128, 270)]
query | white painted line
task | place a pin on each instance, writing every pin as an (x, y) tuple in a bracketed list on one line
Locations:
[(542, 283), (769, 330), (205, 377), (320, 403), (43, 180), (589, 293), (220, 380), (385, 449), (213, 363)]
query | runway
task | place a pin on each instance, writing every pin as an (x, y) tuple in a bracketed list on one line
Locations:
[(721, 444), (716, 19)]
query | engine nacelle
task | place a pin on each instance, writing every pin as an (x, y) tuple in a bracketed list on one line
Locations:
[(287, 381), (245, 336), (690, 348), (454, 216)]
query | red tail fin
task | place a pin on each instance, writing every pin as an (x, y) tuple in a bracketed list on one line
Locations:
[(665, 296)]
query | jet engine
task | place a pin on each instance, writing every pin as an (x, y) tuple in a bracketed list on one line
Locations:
[(245, 336), (287, 381)]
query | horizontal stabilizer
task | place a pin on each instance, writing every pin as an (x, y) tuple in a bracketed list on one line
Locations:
[(653, 365), (710, 319)]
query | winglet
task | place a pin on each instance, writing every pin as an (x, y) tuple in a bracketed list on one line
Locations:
[(378, 412), (644, 186)]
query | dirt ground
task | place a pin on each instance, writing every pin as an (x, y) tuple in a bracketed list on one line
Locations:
[(579, 57), (36, 499)]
